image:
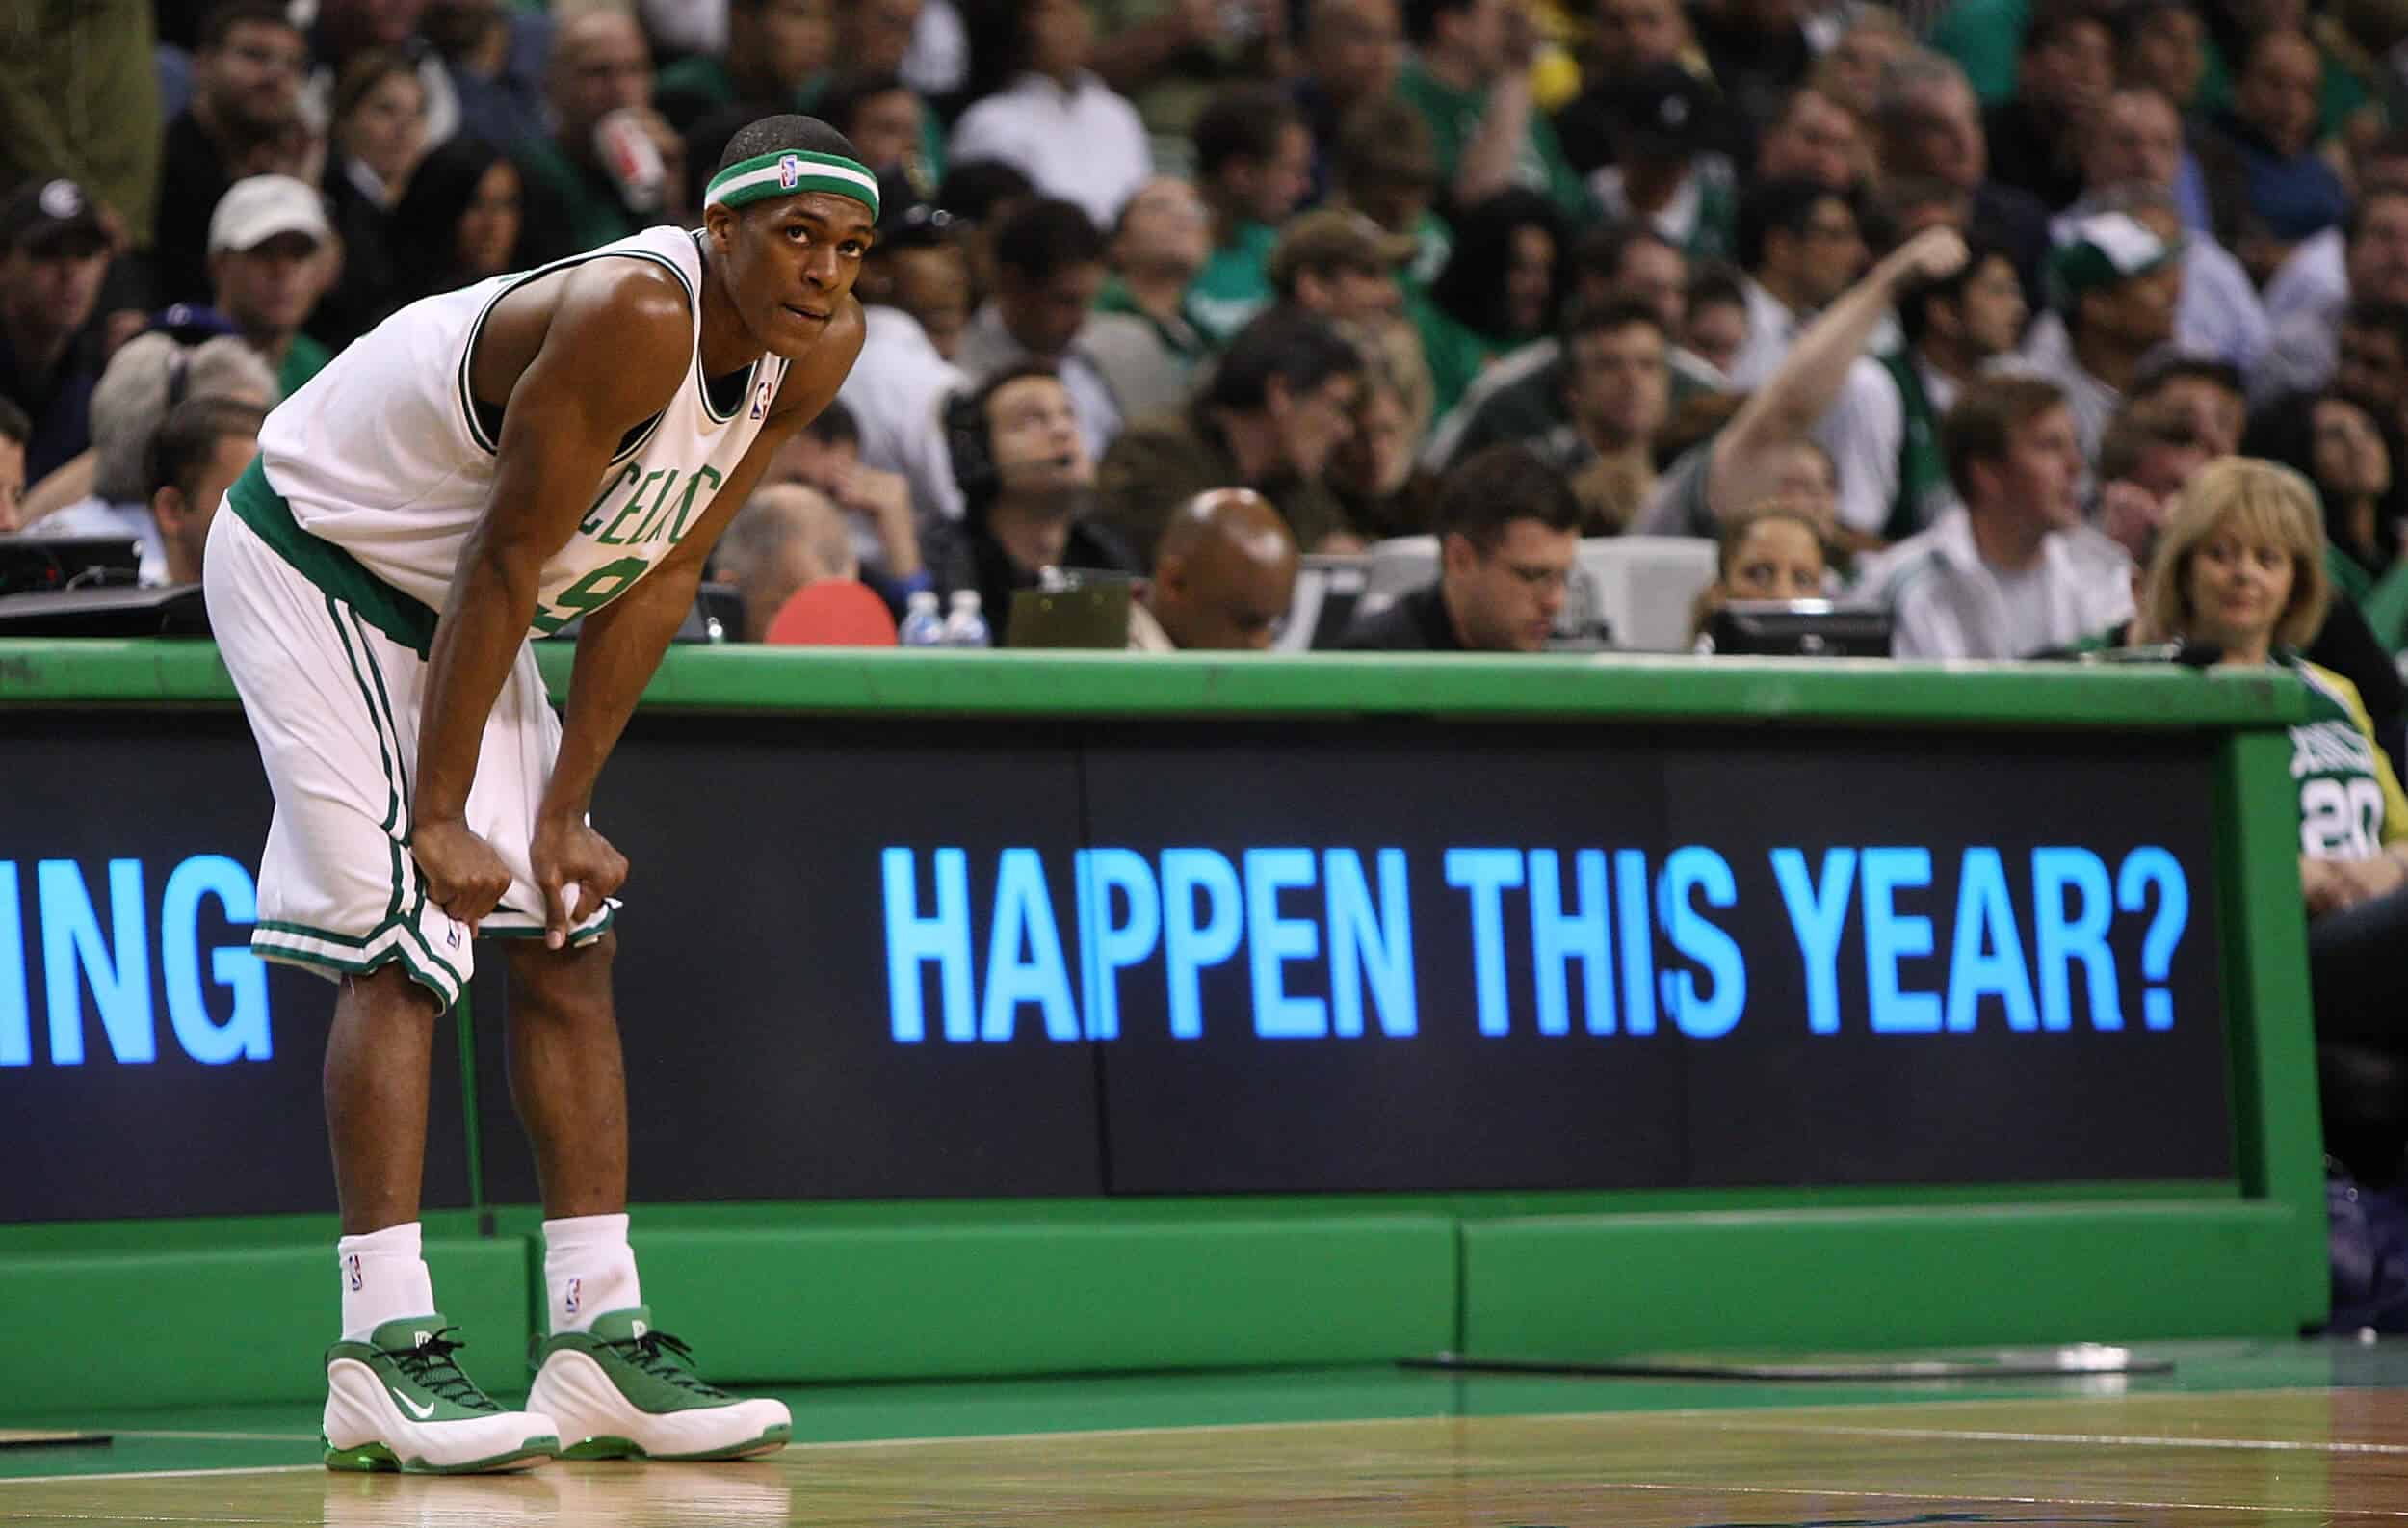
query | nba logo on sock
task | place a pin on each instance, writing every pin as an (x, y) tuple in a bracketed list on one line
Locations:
[(351, 1263), (576, 1296)]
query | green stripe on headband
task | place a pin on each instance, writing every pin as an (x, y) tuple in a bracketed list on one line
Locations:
[(791, 172)]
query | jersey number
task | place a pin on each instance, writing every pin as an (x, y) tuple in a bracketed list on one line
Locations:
[(2341, 819), (592, 591)]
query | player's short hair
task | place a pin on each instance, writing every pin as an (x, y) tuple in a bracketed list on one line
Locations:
[(791, 133), (1496, 486), (188, 438)]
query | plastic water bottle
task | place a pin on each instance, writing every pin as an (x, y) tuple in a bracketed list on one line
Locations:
[(923, 624), (965, 627)]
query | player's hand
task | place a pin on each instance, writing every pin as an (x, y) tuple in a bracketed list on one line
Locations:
[(1928, 256), (464, 876), (576, 869)]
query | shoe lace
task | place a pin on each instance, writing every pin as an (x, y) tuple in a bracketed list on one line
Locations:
[(664, 1357), (430, 1367)]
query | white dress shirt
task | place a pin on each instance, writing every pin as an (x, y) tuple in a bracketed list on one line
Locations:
[(896, 392), (1083, 143), (1947, 601)]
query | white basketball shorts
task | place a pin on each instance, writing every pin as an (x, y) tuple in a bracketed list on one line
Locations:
[(334, 702)]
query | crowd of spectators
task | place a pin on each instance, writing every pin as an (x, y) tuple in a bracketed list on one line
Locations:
[(1963, 293)]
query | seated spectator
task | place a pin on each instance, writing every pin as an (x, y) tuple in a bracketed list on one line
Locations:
[(1048, 266), (898, 383), (1353, 52), (1800, 246), (1714, 317), (601, 68), (888, 123), (1340, 265), (459, 221), (2012, 570), (54, 253), (1142, 335), (777, 60), (1617, 390), (1380, 491), (1253, 164), (15, 430), (1509, 535), (980, 196), (1224, 575), (2116, 288), (246, 80), (2218, 316), (785, 537), (493, 54), (1279, 403), (2162, 46), (825, 456), (1850, 75), (1035, 97), (378, 135), (1815, 138), (2263, 146), (924, 270), (1028, 488), (1664, 175), (1384, 168), (271, 255), (146, 379), (1469, 77), (2208, 393), (2347, 452), (2064, 68), (1502, 287), (1774, 551), (1927, 126), (201, 447), (2150, 451), (1627, 38)]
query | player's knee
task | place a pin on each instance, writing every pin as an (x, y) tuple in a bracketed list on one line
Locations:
[(566, 983)]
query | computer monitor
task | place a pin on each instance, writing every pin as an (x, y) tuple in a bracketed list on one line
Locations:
[(46, 563), (1799, 628), (1329, 590), (1089, 610)]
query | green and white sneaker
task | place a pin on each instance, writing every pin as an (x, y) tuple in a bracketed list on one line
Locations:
[(626, 1391), (398, 1401)]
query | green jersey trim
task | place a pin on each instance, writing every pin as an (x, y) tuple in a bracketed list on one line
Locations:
[(332, 569)]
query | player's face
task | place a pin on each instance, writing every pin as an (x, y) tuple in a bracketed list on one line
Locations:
[(792, 262), (1509, 597), (2237, 584)]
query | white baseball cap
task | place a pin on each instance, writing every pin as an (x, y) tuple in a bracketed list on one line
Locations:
[(254, 211)]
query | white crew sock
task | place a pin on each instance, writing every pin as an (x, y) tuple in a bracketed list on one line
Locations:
[(385, 1279), (587, 1269)]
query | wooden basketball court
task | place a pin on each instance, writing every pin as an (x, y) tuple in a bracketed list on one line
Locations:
[(2279, 1457)]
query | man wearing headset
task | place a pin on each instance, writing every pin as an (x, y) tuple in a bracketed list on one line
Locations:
[(1028, 487)]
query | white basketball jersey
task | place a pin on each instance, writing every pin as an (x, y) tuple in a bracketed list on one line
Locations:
[(386, 454)]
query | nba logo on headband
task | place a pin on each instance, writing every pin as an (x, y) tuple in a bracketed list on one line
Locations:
[(789, 172)]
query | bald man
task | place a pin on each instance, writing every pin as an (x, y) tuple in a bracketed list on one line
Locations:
[(1224, 572), (600, 65), (786, 536)]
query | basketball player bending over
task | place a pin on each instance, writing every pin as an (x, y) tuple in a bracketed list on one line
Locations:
[(563, 443)]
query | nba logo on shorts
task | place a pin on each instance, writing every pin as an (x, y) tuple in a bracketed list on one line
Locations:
[(789, 172), (351, 1266), (450, 935), (576, 1296)]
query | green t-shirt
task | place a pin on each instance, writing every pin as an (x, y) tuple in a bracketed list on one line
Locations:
[(304, 360), (1455, 117), (698, 85), (1455, 351), (1235, 284), (1923, 473)]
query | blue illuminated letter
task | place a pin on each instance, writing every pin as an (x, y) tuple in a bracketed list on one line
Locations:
[(911, 938), (71, 939), (1557, 939), (2061, 938), (2142, 866), (16, 1025), (1272, 939), (1487, 874), (1892, 936), (1370, 948), (1106, 949), (243, 1035), (1818, 913), (1637, 911), (1024, 914), (1188, 948), (1690, 869), (1986, 953)]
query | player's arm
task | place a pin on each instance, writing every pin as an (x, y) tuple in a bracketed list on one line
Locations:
[(608, 351), (619, 645)]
